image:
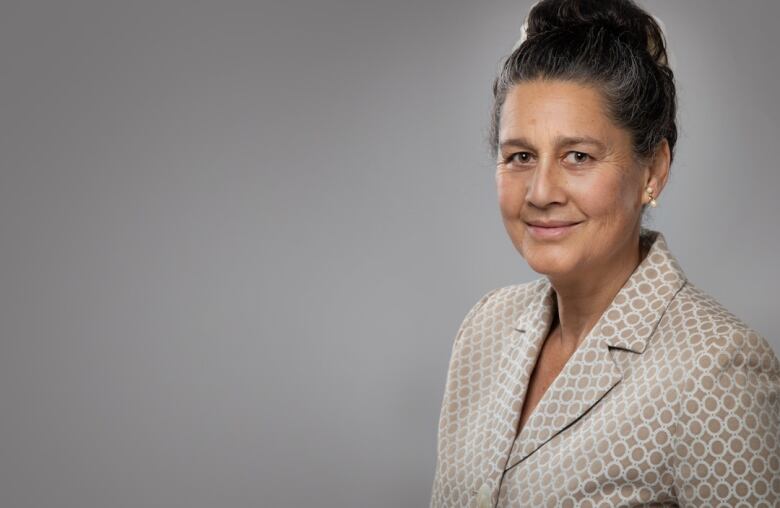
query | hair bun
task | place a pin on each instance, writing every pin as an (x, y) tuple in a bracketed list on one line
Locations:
[(621, 18)]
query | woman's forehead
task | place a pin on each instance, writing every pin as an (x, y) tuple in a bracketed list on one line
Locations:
[(556, 108)]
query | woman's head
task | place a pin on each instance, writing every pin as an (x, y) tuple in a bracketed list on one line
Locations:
[(583, 124), (611, 44)]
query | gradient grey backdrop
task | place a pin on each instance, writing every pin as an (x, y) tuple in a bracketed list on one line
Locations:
[(237, 238)]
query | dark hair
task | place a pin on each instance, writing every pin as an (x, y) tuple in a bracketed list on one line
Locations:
[(612, 44)]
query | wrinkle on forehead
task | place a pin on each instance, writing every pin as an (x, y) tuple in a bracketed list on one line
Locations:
[(547, 109)]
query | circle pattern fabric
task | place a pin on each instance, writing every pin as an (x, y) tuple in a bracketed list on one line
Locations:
[(670, 400)]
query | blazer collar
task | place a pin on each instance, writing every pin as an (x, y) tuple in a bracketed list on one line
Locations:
[(627, 323), (636, 309)]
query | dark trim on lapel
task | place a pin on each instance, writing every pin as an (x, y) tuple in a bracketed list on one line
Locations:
[(514, 371)]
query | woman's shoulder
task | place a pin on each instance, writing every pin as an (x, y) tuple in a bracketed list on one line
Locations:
[(493, 315), (709, 336), (506, 302), (512, 297), (724, 381)]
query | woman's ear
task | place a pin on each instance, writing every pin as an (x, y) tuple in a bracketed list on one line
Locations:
[(658, 169)]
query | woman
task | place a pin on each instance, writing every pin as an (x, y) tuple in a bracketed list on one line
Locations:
[(613, 380)]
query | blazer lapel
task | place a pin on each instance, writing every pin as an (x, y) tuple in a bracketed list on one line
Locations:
[(516, 363), (591, 372)]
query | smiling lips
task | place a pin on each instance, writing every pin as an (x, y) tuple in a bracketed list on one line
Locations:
[(550, 230)]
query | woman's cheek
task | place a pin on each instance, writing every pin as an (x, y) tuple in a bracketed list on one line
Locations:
[(626, 187), (604, 196), (509, 194)]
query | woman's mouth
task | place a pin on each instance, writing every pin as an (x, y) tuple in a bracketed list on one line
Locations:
[(552, 230)]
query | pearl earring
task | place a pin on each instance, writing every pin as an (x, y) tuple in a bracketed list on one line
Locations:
[(649, 190)]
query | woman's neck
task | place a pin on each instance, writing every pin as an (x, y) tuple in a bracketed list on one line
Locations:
[(580, 303)]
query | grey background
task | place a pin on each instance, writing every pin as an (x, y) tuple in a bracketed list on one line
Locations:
[(237, 238)]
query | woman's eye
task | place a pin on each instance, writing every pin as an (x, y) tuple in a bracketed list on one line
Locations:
[(577, 157), (520, 157)]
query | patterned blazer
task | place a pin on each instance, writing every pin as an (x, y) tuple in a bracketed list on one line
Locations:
[(670, 400)]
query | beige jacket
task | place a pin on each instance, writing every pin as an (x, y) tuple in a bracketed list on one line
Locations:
[(670, 400)]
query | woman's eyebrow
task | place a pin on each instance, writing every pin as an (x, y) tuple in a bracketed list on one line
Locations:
[(520, 142), (579, 140), (560, 141)]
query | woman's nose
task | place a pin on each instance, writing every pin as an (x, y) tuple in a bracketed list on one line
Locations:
[(545, 187)]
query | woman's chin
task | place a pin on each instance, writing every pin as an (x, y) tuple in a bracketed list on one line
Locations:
[(552, 266), (553, 273)]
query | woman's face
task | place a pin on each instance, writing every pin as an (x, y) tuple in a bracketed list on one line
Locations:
[(563, 162)]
